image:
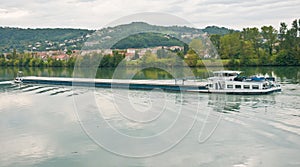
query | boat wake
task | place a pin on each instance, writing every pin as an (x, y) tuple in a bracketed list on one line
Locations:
[(6, 82)]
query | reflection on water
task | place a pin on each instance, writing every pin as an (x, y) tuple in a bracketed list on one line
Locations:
[(232, 103), (284, 74), (39, 127)]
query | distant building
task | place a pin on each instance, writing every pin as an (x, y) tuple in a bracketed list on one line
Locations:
[(129, 56), (107, 52), (131, 50), (176, 48), (42, 55), (61, 57)]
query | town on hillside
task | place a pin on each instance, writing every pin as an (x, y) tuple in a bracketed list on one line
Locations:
[(130, 53)]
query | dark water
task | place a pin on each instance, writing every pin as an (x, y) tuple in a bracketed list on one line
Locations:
[(46, 125)]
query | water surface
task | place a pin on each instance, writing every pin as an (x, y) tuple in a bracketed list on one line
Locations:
[(47, 125)]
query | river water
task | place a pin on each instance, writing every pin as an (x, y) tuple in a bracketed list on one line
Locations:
[(47, 125)]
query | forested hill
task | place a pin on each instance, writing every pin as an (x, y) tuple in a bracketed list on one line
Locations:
[(147, 40), (59, 38), (150, 39), (217, 30), (41, 39)]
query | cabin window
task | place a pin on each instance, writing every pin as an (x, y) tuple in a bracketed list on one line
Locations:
[(246, 86), (229, 86), (238, 86), (255, 87), (265, 86), (216, 86)]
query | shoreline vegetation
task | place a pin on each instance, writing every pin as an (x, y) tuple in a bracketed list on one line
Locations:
[(250, 47)]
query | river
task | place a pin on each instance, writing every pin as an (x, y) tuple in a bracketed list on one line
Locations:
[(47, 125)]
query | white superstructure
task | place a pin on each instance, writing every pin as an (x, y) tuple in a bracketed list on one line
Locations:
[(232, 83)]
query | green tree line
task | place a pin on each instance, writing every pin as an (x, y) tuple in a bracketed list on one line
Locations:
[(264, 46), (29, 60)]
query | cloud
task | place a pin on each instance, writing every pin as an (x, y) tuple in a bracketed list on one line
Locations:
[(12, 13), (239, 14), (223, 2), (95, 14)]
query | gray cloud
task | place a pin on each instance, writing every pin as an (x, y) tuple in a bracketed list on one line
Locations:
[(223, 2), (94, 14), (85, 0)]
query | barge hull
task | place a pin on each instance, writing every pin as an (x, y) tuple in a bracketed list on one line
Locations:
[(167, 85)]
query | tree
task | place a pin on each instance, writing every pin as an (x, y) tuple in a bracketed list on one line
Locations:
[(247, 53), (180, 54), (14, 54), (136, 55), (230, 45), (16, 62), (282, 31), (161, 53), (215, 39), (40, 63), (289, 43), (285, 58), (252, 35), (191, 58), (295, 50), (32, 62), (269, 35), (185, 48), (149, 58), (71, 62), (294, 29), (197, 46), (105, 61), (69, 52), (264, 58), (117, 58), (2, 62)]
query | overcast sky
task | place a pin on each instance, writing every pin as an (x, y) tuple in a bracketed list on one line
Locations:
[(96, 14)]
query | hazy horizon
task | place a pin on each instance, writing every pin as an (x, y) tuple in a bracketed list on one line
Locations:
[(106, 27), (96, 14)]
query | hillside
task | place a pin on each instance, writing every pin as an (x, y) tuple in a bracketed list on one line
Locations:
[(60, 39), (147, 40), (217, 30), (111, 37), (41, 39)]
